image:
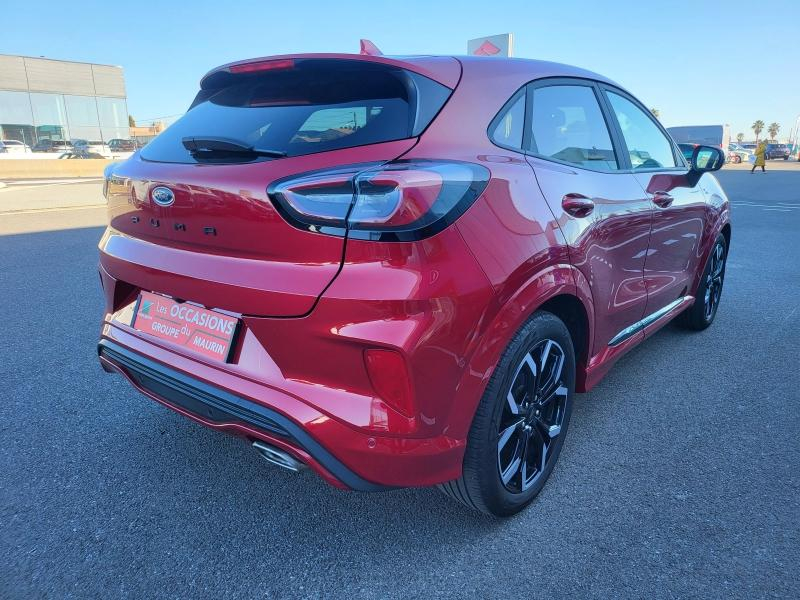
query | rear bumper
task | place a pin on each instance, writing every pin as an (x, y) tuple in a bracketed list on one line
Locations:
[(216, 407), (343, 455)]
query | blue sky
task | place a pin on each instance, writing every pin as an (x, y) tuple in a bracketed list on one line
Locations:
[(698, 62)]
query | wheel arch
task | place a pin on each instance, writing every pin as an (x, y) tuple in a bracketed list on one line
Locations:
[(726, 231), (561, 290), (722, 226), (572, 313)]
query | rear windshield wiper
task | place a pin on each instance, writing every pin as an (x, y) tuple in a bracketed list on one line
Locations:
[(219, 145)]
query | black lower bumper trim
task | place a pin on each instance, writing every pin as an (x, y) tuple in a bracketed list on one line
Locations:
[(220, 406)]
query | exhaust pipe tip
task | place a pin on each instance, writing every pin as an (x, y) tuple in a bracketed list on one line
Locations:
[(278, 457)]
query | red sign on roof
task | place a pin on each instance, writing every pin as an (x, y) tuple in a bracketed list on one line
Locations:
[(491, 45), (487, 48)]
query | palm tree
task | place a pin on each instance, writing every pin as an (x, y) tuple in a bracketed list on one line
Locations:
[(655, 112), (739, 137), (757, 127), (773, 130)]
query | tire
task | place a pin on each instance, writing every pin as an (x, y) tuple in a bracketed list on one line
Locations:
[(536, 431), (700, 315)]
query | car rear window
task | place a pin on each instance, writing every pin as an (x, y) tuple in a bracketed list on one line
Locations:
[(313, 106)]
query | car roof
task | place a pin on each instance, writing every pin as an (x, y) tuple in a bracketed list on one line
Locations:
[(530, 69)]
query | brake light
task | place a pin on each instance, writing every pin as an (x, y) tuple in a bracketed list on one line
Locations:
[(389, 376), (262, 65), (398, 201)]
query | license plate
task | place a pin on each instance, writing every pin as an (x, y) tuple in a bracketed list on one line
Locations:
[(200, 330)]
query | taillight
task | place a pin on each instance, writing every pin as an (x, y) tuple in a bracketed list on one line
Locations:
[(398, 201)]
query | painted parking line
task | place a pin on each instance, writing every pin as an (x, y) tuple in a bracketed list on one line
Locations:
[(778, 206)]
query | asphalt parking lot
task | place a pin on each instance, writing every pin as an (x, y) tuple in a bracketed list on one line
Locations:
[(680, 476)]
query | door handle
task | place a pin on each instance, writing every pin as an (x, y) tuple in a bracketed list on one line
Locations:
[(662, 199), (577, 205)]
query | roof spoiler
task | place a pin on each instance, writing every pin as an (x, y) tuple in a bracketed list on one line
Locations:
[(445, 70), (369, 49)]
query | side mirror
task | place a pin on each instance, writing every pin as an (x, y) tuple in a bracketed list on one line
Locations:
[(706, 159)]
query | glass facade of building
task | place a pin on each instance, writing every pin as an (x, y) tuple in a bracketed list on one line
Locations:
[(31, 116)]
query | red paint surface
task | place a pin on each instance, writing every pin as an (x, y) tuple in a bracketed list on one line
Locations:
[(311, 304)]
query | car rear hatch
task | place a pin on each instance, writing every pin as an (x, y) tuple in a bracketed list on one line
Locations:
[(189, 215)]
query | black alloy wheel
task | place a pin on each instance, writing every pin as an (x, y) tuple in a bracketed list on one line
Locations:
[(521, 421), (532, 417)]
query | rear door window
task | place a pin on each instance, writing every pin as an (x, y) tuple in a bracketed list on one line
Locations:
[(315, 106), (567, 125)]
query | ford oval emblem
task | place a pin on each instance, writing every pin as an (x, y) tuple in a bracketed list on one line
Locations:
[(162, 196)]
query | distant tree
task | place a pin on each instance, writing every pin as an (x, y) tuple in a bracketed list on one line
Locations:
[(131, 121), (655, 112), (773, 130), (757, 128), (740, 137)]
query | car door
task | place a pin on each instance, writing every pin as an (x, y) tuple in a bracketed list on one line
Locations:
[(602, 210), (679, 208)]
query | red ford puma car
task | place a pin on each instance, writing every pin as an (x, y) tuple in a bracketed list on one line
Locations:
[(398, 271)]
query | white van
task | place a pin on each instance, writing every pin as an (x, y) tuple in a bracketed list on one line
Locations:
[(14, 147)]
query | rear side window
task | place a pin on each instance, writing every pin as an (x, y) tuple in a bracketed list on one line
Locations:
[(568, 125), (313, 106), (507, 129), (648, 147)]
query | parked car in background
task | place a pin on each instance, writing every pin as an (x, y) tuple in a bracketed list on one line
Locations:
[(120, 145), (398, 271), (81, 154), (94, 146), (48, 145), (738, 154), (780, 151), (14, 147), (707, 135)]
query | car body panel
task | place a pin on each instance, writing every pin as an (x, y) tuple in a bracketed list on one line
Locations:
[(609, 246), (675, 238), (222, 243)]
